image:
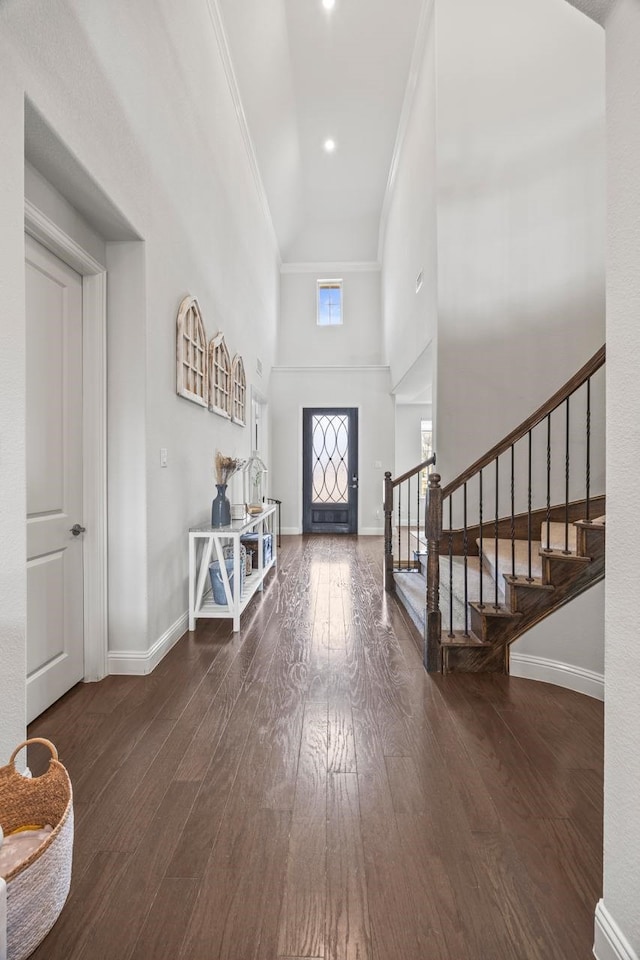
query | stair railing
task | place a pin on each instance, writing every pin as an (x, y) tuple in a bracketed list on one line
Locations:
[(524, 483), (402, 520)]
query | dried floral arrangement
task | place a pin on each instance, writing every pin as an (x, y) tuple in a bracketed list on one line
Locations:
[(225, 467)]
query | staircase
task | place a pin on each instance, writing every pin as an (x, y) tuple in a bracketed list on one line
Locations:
[(474, 586)]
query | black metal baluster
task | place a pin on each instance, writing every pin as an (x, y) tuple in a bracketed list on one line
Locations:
[(496, 602), (480, 603), (399, 527), (409, 564), (529, 575), (451, 633), (548, 520), (566, 483), (588, 469), (513, 514), (418, 544), (465, 549)]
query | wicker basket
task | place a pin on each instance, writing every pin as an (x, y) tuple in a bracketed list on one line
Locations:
[(38, 887)]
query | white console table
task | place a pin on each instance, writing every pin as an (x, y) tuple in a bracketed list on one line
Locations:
[(212, 540)]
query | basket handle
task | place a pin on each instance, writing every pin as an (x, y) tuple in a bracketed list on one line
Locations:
[(25, 743)]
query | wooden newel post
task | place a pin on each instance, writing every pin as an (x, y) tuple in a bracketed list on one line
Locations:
[(389, 582), (433, 532)]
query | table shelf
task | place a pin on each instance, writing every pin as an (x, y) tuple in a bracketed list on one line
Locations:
[(211, 541)]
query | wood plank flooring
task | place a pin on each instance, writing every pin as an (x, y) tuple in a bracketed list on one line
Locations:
[(303, 789)]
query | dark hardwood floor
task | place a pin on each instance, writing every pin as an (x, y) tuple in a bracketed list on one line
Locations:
[(305, 789)]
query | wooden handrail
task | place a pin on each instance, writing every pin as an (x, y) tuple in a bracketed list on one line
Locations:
[(411, 473), (590, 367)]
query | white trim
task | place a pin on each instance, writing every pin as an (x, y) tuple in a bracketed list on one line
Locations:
[(41, 228), (94, 430), (94, 474), (138, 663), (332, 368), (332, 266), (227, 64), (3, 919), (291, 531), (417, 60), (371, 532), (554, 671), (609, 941)]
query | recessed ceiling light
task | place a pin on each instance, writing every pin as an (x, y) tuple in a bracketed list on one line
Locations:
[(328, 4), (329, 145)]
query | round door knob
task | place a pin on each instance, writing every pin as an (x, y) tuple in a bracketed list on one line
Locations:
[(76, 529)]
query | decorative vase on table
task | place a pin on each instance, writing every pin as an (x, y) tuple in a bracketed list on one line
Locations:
[(221, 507)]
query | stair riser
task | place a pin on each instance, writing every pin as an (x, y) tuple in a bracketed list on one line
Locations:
[(527, 599), (562, 572), (590, 541), (468, 660), (491, 629)]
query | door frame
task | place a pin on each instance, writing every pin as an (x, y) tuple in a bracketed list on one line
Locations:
[(94, 430), (258, 399)]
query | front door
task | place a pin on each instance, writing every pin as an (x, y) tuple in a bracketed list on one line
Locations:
[(330, 470), (55, 636)]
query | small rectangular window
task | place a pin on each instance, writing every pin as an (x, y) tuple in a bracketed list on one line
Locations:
[(329, 302)]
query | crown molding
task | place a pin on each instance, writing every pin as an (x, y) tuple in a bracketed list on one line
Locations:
[(333, 368), (225, 55), (333, 266), (405, 115)]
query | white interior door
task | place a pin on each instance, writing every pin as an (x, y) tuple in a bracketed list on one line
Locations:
[(55, 635)]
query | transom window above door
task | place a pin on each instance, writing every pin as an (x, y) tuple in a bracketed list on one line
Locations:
[(329, 303)]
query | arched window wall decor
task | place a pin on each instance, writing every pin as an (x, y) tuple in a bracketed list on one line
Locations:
[(239, 391), (220, 385), (191, 353)]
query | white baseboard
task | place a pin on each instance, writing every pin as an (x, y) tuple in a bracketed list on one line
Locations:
[(138, 663), (554, 671), (363, 532), (609, 941)]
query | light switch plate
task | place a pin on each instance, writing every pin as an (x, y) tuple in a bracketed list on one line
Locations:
[(163, 456)]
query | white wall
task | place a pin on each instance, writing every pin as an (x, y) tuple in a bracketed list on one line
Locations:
[(358, 340), (619, 912), (520, 172), (567, 647), (13, 506), (408, 238), (330, 366), (139, 98), (294, 388)]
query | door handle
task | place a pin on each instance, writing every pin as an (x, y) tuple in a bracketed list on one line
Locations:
[(76, 530), (354, 482)]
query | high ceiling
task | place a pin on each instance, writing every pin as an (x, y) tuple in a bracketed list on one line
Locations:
[(306, 74)]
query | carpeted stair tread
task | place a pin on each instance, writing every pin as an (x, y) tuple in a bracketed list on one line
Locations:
[(505, 565), (557, 537), (412, 588)]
